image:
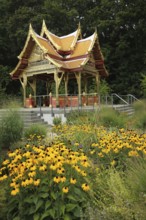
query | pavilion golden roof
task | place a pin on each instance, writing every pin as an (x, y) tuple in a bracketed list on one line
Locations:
[(68, 53)]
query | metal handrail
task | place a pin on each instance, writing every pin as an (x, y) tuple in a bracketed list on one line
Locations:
[(133, 98), (119, 97)]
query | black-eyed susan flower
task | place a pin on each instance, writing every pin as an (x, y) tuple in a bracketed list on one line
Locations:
[(85, 187), (36, 182), (60, 170), (53, 167), (62, 179), (43, 167), (113, 162), (14, 192), (32, 174), (73, 180), (65, 189), (57, 179)]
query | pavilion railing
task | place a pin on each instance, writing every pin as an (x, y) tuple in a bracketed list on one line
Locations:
[(79, 102)]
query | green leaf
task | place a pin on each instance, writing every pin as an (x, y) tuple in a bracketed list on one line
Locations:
[(43, 195), (35, 199), (46, 214), (16, 218), (77, 212), (44, 188), (28, 200), (67, 217), (39, 204), (36, 216), (77, 191), (70, 207), (47, 204), (62, 208), (71, 198), (53, 195), (31, 210), (52, 213)]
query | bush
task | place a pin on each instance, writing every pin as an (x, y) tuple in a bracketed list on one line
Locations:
[(3, 202), (53, 183), (57, 121), (108, 117), (11, 128), (139, 119), (12, 102), (82, 117), (35, 131)]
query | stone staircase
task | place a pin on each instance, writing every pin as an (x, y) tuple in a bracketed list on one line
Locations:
[(28, 117), (125, 109), (31, 117)]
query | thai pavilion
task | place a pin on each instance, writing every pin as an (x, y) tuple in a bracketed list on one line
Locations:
[(58, 59)]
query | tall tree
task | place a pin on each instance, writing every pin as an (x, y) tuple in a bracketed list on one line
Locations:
[(121, 25)]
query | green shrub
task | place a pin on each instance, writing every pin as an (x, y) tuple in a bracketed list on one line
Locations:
[(12, 102), (139, 118), (35, 131), (53, 183), (3, 203), (82, 117), (108, 117), (57, 120), (11, 128)]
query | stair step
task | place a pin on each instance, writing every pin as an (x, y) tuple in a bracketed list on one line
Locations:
[(127, 109), (28, 117)]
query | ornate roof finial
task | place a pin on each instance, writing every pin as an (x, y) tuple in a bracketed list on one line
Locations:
[(43, 28), (96, 30), (30, 27), (79, 28), (44, 24)]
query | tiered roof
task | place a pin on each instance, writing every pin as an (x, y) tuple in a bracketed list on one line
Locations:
[(68, 53)]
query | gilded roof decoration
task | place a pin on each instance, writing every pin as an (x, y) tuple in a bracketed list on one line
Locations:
[(67, 53)]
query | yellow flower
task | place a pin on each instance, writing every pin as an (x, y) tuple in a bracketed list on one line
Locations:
[(60, 170), (36, 182), (133, 153), (3, 177), (113, 163), (56, 179), (100, 154), (32, 174), (53, 167), (85, 187), (83, 173), (62, 179), (14, 192), (43, 167), (65, 189), (33, 168), (5, 162), (73, 180)]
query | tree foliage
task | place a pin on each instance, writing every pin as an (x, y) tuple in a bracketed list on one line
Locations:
[(121, 26)]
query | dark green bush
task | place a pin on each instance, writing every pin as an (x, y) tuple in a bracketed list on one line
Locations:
[(11, 128)]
